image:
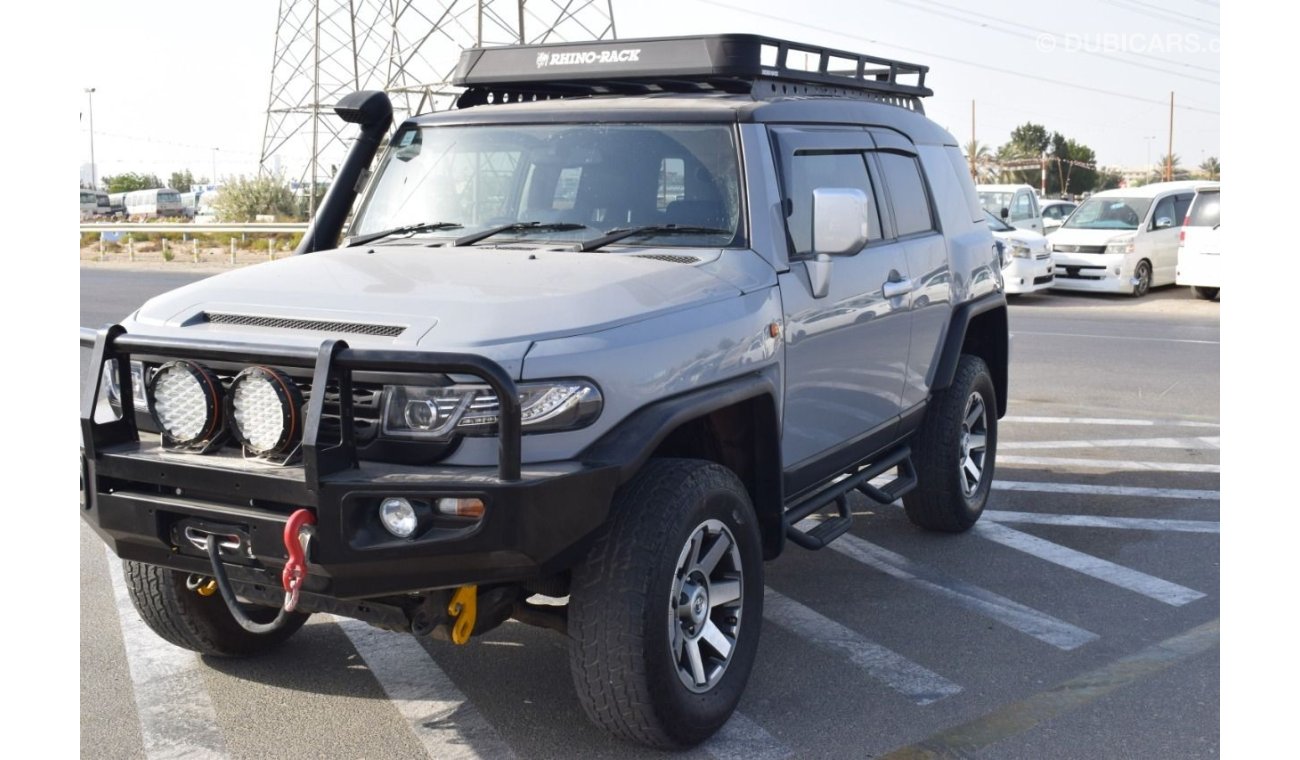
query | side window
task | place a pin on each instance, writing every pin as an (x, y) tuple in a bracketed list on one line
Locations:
[(1164, 209), (1181, 204), (1022, 208), (912, 212), (1053, 212), (810, 170)]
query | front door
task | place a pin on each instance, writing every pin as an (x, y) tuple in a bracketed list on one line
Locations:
[(846, 351)]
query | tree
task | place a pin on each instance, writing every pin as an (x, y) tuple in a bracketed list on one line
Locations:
[(243, 200), (979, 157), (1178, 171), (181, 181), (125, 183), (1210, 168)]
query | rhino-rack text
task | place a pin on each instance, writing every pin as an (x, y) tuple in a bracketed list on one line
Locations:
[(627, 55)]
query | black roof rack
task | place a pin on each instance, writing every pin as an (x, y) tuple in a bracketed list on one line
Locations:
[(763, 67)]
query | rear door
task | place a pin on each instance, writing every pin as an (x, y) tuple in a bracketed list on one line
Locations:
[(1162, 243), (846, 352)]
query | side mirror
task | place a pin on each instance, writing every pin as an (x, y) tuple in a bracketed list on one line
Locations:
[(841, 221), (1164, 222), (1006, 212)]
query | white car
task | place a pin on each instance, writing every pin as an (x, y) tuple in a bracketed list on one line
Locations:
[(1055, 212), (1198, 245), (1016, 205), (1122, 241), (1028, 264)]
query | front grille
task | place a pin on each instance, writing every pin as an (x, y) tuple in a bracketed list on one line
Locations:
[(319, 325), (1045, 278), (1043, 255), (1079, 248), (1080, 273)]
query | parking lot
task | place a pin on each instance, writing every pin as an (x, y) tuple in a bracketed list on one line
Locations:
[(1079, 619)]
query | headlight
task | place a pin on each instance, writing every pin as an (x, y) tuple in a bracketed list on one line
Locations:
[(1021, 251), (138, 398), (265, 410), (438, 413), (185, 401), (1120, 245)]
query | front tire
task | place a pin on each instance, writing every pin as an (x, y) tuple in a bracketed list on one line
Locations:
[(954, 451), (199, 623), (1205, 294), (1142, 273), (664, 612)]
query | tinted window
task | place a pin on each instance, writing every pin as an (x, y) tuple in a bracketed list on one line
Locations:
[(907, 190), (1205, 211), (810, 171)]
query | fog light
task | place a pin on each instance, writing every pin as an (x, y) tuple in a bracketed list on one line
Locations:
[(461, 507), (399, 517)]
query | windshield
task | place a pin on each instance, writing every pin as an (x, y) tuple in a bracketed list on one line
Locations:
[(1109, 214), (604, 177), (169, 198), (994, 202), (996, 224)]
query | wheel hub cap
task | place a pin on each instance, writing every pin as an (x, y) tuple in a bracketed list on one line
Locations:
[(972, 450), (705, 607)]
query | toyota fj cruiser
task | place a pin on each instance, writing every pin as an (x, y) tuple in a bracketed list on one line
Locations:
[(611, 331)]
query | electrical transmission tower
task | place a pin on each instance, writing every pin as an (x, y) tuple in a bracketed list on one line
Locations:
[(325, 49)]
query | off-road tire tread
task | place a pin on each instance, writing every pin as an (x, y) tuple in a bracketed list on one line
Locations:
[(931, 505), (189, 621), (606, 649)]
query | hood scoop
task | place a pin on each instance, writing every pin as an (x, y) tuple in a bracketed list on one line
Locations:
[(289, 323)]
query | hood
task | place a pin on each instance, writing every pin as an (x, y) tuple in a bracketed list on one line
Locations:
[(1028, 238), (442, 299)]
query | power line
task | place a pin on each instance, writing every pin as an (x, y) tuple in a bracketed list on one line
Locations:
[(1172, 11), (1167, 16), (1053, 35), (940, 56)]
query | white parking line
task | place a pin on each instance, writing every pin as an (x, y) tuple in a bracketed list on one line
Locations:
[(1111, 421), (1116, 337), (1107, 464), (177, 719), (1103, 570), (897, 672), (1027, 620), (1203, 442), (1096, 490), (1093, 521), (437, 712), (743, 739)]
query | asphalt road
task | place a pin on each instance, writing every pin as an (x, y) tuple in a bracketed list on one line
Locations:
[(1079, 619)]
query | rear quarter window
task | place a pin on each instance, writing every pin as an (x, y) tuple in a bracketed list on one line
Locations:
[(1205, 211)]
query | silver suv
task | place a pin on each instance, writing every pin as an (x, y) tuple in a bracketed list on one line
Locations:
[(612, 331)]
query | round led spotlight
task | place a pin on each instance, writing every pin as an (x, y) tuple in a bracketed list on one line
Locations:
[(185, 402), (264, 406)]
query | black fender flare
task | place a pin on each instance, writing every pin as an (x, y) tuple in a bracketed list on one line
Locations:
[(946, 366), (632, 441)]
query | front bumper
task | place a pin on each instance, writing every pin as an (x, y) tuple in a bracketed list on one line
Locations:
[(1028, 275), (141, 498), (1092, 273)]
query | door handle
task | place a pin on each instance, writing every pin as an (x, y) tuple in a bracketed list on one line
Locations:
[(896, 288)]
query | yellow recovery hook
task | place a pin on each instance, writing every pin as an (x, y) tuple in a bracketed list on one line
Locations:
[(463, 609)]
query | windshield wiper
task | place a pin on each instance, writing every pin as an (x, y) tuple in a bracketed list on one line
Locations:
[(613, 236), (474, 237), (405, 229)]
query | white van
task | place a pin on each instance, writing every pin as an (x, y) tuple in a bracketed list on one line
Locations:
[(1198, 245), (1122, 241), (1016, 205), (1027, 265)]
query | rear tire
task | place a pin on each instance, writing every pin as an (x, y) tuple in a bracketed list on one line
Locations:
[(1205, 294), (199, 623), (645, 606), (954, 451)]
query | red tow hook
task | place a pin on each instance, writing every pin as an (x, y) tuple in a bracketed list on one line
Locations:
[(296, 537)]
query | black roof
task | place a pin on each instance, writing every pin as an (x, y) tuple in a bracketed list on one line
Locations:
[(763, 67)]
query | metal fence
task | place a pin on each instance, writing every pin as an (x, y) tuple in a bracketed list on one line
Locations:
[(128, 229)]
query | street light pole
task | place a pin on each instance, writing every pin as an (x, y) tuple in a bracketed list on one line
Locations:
[(90, 99), (214, 165)]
